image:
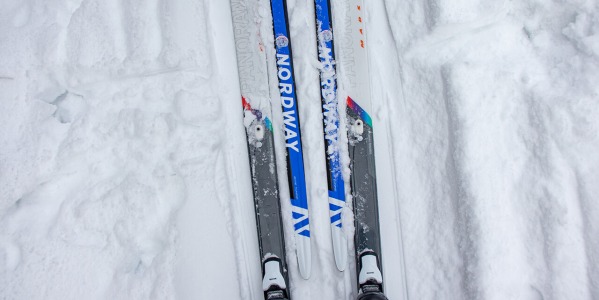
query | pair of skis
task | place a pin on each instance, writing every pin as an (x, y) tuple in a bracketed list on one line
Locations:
[(249, 30)]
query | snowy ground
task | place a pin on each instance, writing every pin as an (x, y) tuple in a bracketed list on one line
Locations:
[(124, 173)]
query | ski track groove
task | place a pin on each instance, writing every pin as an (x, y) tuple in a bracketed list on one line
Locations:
[(396, 197), (417, 264), (431, 9), (467, 226), (590, 244), (443, 212), (231, 201), (557, 215), (543, 199), (392, 147), (397, 182)]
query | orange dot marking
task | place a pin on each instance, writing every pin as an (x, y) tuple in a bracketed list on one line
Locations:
[(361, 31), (362, 43), (359, 7), (360, 19)]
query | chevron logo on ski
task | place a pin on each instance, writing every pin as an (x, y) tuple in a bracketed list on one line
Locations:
[(335, 207), (301, 221)]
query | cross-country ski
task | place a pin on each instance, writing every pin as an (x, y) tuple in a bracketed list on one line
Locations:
[(330, 107), (292, 135), (256, 103), (367, 240)]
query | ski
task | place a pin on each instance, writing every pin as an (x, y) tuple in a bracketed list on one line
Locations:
[(328, 87), (293, 144), (361, 150), (256, 103), (367, 237)]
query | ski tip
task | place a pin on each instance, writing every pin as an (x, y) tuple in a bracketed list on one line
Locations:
[(305, 272), (304, 256), (341, 264), (339, 247), (305, 267)]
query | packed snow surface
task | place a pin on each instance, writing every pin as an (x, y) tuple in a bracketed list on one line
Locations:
[(123, 158)]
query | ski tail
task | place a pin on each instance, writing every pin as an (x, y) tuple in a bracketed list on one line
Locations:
[(293, 144), (330, 103)]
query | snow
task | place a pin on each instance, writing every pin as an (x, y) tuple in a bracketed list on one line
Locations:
[(123, 160)]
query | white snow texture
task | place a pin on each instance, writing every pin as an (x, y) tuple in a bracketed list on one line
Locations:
[(123, 158)]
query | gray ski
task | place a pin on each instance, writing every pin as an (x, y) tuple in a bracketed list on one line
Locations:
[(367, 240), (256, 102)]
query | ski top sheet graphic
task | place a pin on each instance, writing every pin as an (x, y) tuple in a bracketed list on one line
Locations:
[(291, 124), (328, 87)]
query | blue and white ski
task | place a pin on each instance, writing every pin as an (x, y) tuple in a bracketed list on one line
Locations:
[(330, 102), (295, 161)]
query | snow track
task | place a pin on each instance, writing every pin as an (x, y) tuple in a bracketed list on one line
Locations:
[(499, 206), (387, 88)]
